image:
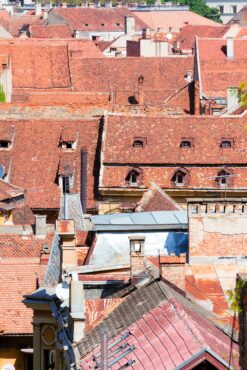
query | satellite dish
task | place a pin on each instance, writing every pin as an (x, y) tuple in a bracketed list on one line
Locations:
[(62, 291), (169, 36), (2, 171), (8, 367)]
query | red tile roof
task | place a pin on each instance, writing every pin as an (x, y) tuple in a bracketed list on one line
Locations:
[(168, 335), (17, 277), (217, 71), (162, 154), (45, 63), (8, 191), (89, 19), (173, 20), (188, 34), (36, 155), (15, 24), (54, 31)]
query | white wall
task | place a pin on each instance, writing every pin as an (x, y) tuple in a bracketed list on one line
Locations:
[(114, 248), (150, 48)]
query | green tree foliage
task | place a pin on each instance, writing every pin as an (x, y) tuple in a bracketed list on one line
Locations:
[(200, 7), (2, 95), (242, 94)]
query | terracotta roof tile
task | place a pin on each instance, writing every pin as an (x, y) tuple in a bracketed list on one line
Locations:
[(54, 31), (217, 71), (36, 155), (173, 19), (8, 191), (162, 154), (17, 277), (89, 19)]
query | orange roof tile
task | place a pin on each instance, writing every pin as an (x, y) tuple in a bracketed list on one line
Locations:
[(91, 19), (173, 20), (217, 71), (55, 31)]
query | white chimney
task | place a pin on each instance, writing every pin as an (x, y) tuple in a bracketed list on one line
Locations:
[(38, 9), (108, 4), (229, 48), (40, 226), (129, 25), (77, 313), (232, 98)]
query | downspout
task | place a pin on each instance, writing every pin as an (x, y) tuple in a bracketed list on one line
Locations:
[(84, 180)]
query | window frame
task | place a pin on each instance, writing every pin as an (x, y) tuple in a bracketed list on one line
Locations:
[(229, 140), (190, 140)]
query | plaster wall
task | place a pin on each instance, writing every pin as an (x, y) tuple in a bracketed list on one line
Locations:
[(114, 247)]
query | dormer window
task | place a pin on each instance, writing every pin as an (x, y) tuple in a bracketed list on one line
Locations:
[(186, 143), (226, 143), (139, 142), (69, 145), (4, 144), (181, 177), (134, 177), (224, 178)]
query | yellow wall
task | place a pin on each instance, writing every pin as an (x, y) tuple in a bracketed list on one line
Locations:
[(12, 356), (10, 219)]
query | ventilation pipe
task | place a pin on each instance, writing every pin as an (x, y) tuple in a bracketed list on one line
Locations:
[(84, 180)]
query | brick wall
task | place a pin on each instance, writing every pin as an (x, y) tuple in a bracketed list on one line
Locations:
[(137, 263), (217, 229), (172, 269)]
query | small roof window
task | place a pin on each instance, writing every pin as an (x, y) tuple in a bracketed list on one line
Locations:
[(226, 143), (186, 143), (5, 144), (69, 145), (139, 142)]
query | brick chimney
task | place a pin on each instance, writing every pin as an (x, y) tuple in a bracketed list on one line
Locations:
[(172, 269), (137, 263)]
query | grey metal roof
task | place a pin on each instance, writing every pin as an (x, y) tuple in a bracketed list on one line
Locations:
[(141, 221)]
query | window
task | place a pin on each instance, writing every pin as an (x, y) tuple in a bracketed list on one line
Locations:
[(65, 184), (69, 145), (86, 24), (5, 144), (224, 178), (117, 24), (137, 243), (134, 177), (102, 24), (181, 177), (226, 143), (234, 9), (185, 144), (221, 9), (139, 142)]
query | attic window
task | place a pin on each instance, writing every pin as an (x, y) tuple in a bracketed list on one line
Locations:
[(186, 143), (224, 178), (134, 177), (181, 177), (102, 24), (117, 24), (5, 144), (65, 184), (139, 142), (86, 24), (226, 143), (69, 145)]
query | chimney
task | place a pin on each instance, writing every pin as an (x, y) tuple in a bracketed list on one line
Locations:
[(38, 9), (145, 33), (108, 4), (84, 180), (40, 226), (64, 5), (137, 263), (232, 98), (97, 3), (77, 314), (129, 25), (229, 48)]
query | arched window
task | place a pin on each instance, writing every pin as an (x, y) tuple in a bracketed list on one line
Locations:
[(224, 178), (181, 177), (226, 143), (134, 177)]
